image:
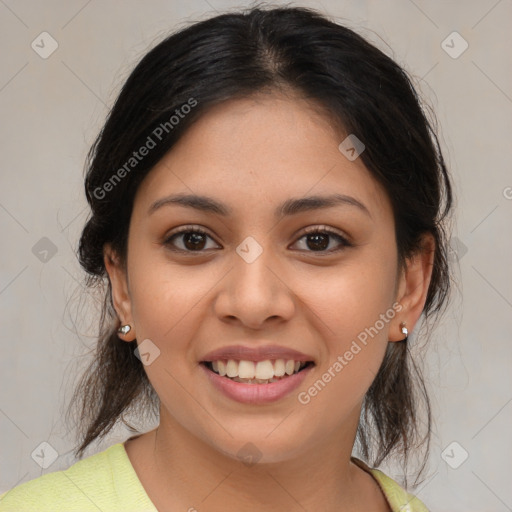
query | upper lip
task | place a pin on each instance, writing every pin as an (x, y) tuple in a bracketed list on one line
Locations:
[(241, 352)]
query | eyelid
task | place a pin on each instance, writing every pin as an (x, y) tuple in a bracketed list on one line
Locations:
[(186, 229), (345, 240), (324, 229)]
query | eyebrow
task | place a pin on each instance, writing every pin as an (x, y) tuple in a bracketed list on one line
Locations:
[(289, 207)]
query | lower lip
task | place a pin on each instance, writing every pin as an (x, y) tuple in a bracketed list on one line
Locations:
[(256, 393)]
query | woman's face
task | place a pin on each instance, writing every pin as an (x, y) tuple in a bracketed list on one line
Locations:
[(256, 286)]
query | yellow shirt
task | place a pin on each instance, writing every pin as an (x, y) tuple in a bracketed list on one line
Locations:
[(107, 482)]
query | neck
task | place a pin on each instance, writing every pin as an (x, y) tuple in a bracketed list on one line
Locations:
[(180, 471)]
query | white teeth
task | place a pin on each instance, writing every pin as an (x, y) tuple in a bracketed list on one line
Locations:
[(279, 367), (246, 370), (222, 368), (264, 370), (257, 372), (232, 368)]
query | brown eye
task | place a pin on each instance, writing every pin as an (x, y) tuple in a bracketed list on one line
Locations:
[(319, 240), (188, 240)]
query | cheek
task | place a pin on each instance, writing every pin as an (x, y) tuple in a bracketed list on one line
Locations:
[(165, 297), (168, 308), (353, 297), (355, 309)]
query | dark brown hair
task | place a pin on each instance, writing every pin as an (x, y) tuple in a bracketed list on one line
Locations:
[(234, 56)]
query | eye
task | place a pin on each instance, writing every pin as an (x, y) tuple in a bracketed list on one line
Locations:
[(319, 238), (192, 239)]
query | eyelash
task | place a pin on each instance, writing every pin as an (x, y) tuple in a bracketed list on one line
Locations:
[(317, 229)]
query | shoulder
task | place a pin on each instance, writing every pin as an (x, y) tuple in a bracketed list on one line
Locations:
[(104, 481), (398, 498)]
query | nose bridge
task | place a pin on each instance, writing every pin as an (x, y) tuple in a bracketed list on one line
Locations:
[(255, 290), (253, 266)]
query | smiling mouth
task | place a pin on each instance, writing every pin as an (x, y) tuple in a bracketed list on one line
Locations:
[(256, 372)]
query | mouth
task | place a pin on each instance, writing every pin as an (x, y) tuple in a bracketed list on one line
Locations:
[(256, 372)]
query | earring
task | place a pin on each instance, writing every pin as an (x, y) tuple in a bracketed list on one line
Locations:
[(124, 329), (404, 330)]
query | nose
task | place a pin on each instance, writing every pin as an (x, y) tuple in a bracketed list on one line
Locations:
[(255, 292)]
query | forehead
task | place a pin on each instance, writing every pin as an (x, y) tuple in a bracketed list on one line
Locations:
[(258, 152)]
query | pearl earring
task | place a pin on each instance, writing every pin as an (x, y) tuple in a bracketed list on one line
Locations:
[(124, 329), (404, 330)]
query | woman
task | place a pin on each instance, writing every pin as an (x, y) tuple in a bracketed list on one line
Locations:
[(267, 205)]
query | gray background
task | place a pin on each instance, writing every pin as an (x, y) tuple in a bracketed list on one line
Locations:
[(53, 107)]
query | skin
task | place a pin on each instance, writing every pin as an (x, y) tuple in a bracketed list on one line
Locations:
[(252, 155)]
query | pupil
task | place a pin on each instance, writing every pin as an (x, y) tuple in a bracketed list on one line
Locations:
[(319, 240), (193, 240)]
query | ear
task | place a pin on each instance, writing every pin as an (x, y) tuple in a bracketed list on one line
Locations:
[(414, 281), (120, 291)]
